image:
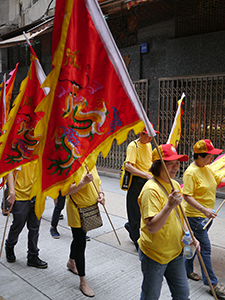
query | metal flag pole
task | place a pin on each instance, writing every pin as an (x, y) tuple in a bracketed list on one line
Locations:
[(186, 220), (105, 210)]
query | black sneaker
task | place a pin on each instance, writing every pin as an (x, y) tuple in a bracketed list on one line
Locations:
[(36, 262), (54, 233), (10, 255)]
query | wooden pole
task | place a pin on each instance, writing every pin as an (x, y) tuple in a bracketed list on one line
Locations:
[(105, 210), (3, 207), (3, 238), (186, 220), (210, 220)]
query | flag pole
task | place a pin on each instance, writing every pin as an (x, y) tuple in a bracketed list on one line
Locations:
[(105, 210), (186, 220), (210, 220), (3, 238)]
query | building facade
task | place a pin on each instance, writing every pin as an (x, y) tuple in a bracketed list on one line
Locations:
[(169, 47)]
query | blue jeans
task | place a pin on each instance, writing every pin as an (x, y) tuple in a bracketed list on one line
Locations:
[(203, 238), (153, 273)]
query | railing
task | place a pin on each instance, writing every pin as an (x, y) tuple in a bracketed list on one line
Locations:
[(204, 110)]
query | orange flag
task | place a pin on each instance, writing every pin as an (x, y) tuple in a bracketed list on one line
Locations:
[(92, 99), (18, 140)]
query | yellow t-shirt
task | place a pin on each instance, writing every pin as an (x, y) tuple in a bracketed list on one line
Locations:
[(86, 196), (141, 156), (164, 245), (25, 179), (200, 183)]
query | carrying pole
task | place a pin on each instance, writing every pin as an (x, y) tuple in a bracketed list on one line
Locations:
[(105, 210), (186, 220), (3, 238), (210, 220)]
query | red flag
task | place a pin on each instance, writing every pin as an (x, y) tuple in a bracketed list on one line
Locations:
[(92, 99), (9, 88), (18, 140), (2, 106)]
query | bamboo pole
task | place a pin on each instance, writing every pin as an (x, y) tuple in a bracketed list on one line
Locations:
[(210, 220), (105, 210), (186, 220)]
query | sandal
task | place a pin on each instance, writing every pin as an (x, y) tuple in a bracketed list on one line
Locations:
[(193, 276), (220, 290)]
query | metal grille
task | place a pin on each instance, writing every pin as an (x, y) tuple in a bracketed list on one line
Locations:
[(204, 110), (199, 16), (117, 153)]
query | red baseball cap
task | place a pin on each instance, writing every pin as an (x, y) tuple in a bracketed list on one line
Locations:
[(206, 146), (168, 152), (145, 131)]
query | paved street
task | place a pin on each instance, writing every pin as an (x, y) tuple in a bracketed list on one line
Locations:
[(113, 270)]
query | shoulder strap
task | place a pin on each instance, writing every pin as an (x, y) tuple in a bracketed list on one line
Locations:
[(176, 210), (162, 187), (73, 201)]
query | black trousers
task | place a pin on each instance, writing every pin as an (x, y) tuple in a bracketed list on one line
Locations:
[(77, 249), (23, 212), (133, 209), (57, 209)]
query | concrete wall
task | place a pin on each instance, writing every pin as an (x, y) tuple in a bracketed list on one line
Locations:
[(167, 56)]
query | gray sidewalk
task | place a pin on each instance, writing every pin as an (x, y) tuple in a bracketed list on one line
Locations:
[(112, 270)]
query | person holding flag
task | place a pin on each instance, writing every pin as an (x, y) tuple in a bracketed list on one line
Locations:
[(199, 189), (162, 228), (20, 183), (82, 195), (138, 162)]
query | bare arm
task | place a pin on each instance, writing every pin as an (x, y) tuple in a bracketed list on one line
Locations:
[(155, 223), (11, 186), (208, 212), (75, 188), (130, 168)]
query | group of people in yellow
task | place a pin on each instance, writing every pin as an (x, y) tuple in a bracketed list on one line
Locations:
[(158, 208), (162, 224), (84, 194)]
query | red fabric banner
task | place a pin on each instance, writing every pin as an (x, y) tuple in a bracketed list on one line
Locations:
[(87, 107), (18, 140)]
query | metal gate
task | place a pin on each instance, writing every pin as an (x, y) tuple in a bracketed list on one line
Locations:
[(117, 153), (204, 110)]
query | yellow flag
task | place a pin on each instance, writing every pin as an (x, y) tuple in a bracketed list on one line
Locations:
[(175, 133)]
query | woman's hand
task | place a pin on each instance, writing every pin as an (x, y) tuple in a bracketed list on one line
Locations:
[(87, 178), (101, 198), (197, 245), (174, 199), (209, 213)]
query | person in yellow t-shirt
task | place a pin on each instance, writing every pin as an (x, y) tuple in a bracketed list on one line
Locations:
[(20, 183), (138, 162), (160, 242), (199, 189), (84, 194)]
